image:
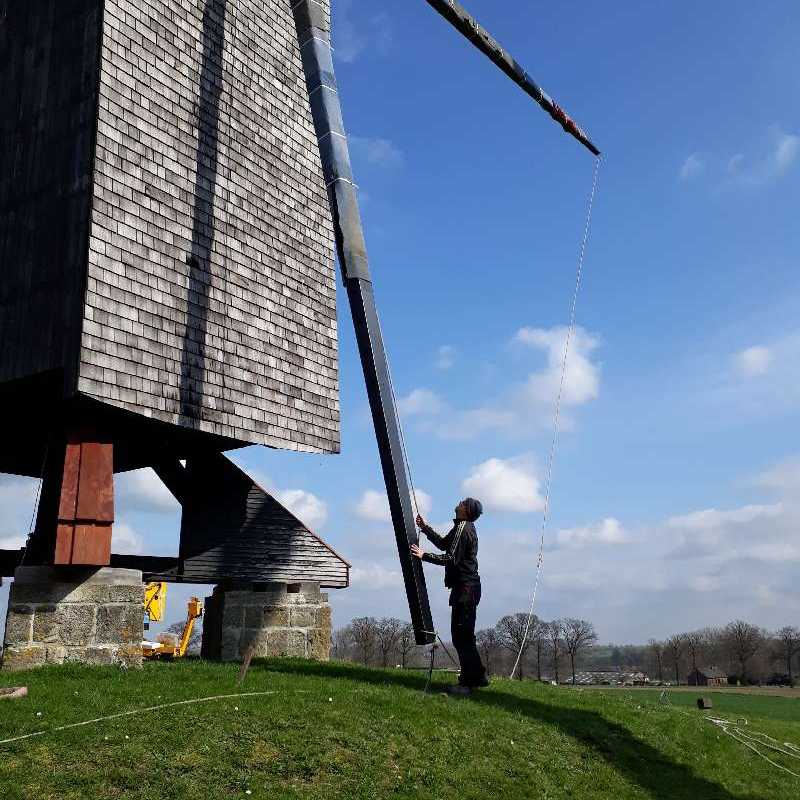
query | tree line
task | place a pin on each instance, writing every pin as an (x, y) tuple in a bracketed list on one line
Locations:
[(554, 646), (745, 652), (556, 650)]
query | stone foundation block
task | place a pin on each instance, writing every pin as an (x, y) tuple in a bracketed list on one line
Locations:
[(272, 619), (88, 615), (19, 625)]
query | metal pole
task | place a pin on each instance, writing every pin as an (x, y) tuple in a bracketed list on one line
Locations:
[(467, 25), (313, 33)]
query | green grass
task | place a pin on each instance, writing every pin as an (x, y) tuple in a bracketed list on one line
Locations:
[(336, 731), (753, 707)]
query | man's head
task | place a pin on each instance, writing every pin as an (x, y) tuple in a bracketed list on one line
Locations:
[(469, 509)]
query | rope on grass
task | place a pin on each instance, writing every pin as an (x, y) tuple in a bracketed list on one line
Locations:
[(752, 742), (134, 712)]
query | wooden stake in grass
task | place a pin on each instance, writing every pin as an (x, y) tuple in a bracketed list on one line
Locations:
[(247, 658)]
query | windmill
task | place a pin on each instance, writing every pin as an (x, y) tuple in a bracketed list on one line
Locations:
[(174, 180)]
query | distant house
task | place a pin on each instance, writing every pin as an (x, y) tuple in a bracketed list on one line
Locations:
[(708, 676)]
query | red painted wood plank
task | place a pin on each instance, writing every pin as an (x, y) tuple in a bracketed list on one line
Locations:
[(92, 545), (96, 486)]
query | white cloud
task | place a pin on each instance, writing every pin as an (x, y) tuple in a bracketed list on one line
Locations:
[(582, 378), (607, 531), (422, 402), (573, 581), (759, 381), (766, 596), (710, 519), (354, 33), (375, 151), (691, 167), (307, 507), (17, 503), (753, 361), (375, 576), (505, 485), (783, 477), (125, 539), (311, 510), (143, 490), (525, 407), (17, 491), (445, 357), (374, 506), (11, 542), (780, 155), (787, 147), (705, 583), (735, 163)]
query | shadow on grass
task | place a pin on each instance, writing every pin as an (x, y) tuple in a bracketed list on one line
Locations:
[(639, 762)]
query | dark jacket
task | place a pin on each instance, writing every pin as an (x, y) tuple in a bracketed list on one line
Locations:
[(460, 559)]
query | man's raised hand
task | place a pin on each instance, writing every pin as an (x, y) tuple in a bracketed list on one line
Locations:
[(420, 521)]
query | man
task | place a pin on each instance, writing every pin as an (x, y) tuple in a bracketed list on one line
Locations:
[(460, 562)]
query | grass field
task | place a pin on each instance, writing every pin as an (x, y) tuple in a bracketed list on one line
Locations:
[(760, 705), (337, 731)]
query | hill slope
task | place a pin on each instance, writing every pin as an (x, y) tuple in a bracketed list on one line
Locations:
[(337, 731)]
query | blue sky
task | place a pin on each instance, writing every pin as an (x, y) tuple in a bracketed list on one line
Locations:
[(675, 502)]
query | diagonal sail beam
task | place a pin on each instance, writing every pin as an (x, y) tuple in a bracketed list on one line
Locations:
[(468, 26), (313, 34)]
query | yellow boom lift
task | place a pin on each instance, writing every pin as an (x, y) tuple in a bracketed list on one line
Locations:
[(155, 604)]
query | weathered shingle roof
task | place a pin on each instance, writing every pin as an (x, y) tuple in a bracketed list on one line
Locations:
[(712, 672)]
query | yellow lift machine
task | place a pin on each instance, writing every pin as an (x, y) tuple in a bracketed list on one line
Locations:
[(155, 604)]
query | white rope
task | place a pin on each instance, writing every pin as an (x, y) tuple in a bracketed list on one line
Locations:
[(750, 741), (557, 415), (135, 712)]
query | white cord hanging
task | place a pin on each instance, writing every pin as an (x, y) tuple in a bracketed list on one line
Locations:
[(557, 415)]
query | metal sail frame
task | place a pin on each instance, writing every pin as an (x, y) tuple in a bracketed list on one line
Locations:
[(313, 35)]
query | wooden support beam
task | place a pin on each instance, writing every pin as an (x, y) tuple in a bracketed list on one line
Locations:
[(76, 511), (173, 476), (86, 510)]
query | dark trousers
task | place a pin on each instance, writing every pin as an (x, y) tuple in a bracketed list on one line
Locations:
[(464, 603)]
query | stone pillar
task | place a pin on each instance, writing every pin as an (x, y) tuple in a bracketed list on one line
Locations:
[(90, 615), (276, 619)]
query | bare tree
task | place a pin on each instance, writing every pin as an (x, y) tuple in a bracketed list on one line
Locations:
[(674, 647), (744, 641), (657, 649), (176, 630), (555, 632), (364, 632), (539, 637), (388, 634), (577, 634), (406, 643), (489, 644), (695, 644), (788, 641), (515, 635), (341, 642)]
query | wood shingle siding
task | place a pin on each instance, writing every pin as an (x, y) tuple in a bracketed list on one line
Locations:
[(179, 263)]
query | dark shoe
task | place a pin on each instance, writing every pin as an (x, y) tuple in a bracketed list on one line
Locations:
[(483, 683), (459, 691)]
